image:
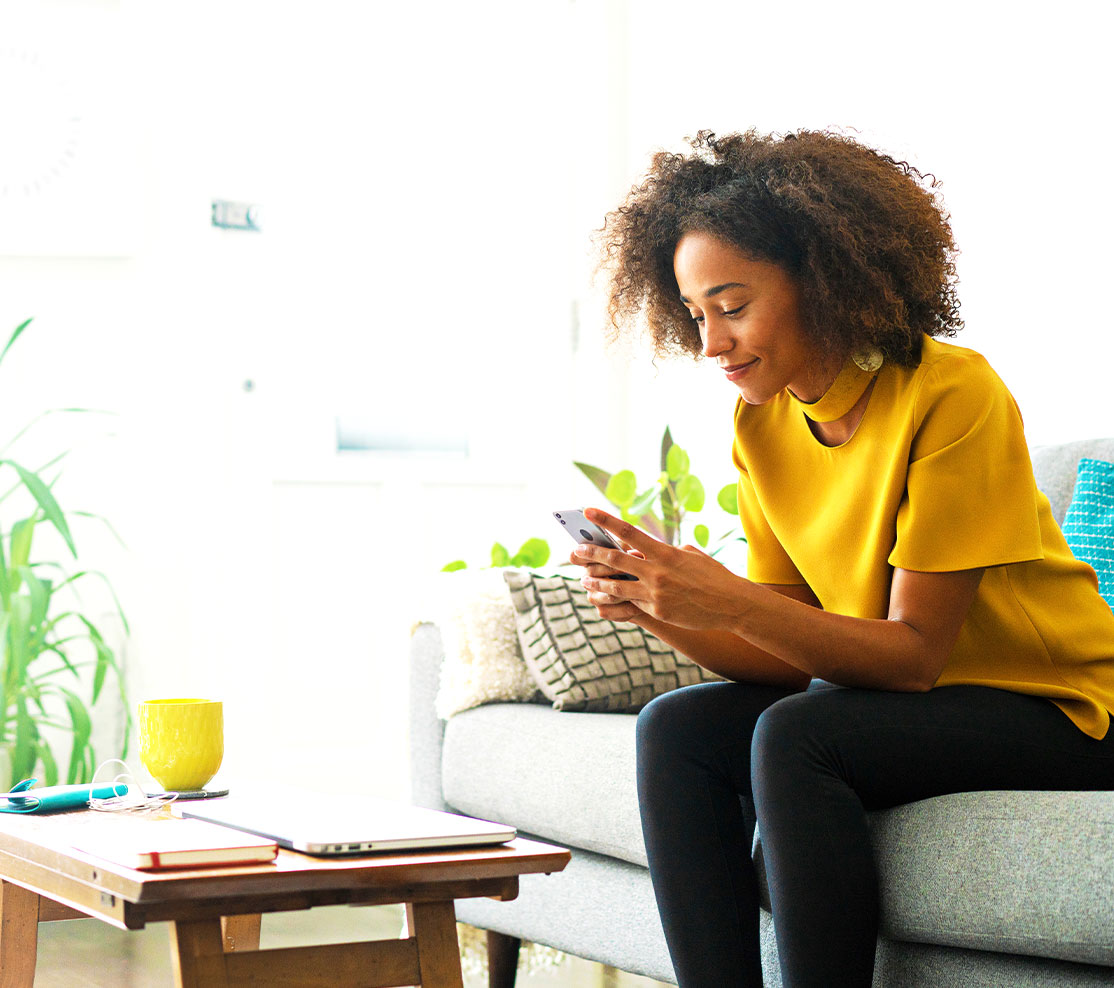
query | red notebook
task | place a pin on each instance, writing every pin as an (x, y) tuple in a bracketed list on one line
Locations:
[(168, 842)]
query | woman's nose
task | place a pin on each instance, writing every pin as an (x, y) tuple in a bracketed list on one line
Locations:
[(716, 339)]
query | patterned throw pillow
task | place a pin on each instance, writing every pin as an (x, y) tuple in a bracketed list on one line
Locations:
[(1089, 522), (582, 662)]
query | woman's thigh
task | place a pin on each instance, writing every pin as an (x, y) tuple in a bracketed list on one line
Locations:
[(893, 748), (709, 725)]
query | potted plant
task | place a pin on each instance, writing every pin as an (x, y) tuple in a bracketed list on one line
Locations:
[(47, 641)]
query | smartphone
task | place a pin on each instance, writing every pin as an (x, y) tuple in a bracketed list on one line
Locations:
[(588, 533)]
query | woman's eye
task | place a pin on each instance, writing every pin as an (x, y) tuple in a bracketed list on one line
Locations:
[(697, 319), (734, 312)]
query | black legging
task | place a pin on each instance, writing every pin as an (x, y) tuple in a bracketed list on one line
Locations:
[(809, 765)]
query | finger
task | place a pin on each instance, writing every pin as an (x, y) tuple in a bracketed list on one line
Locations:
[(599, 571), (618, 589), (624, 531), (614, 560), (593, 569), (597, 599), (626, 612)]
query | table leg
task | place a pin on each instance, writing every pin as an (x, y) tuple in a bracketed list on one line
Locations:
[(19, 935), (433, 924), (240, 932), (502, 959), (197, 954)]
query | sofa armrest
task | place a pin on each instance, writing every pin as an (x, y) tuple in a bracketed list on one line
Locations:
[(427, 730)]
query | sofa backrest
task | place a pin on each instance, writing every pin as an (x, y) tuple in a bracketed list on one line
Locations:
[(1055, 468)]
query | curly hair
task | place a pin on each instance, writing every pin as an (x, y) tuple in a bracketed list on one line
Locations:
[(863, 234)]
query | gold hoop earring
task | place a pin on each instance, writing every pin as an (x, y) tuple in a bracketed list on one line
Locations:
[(868, 359)]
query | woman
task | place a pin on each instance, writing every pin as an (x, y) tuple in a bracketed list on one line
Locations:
[(912, 622)]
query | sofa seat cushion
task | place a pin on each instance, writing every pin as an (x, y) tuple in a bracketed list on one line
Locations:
[(567, 777), (1012, 872)]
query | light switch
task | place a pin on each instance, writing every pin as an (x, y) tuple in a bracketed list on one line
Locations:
[(235, 215)]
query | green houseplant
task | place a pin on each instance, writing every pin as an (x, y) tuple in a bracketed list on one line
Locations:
[(47, 640), (662, 507)]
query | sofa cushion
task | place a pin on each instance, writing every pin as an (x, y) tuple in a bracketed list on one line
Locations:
[(1089, 522), (1055, 468), (584, 662), (567, 777), (1013, 872)]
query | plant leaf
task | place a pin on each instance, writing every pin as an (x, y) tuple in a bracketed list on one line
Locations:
[(676, 463), (67, 664), (622, 489), (597, 476), (26, 741), (106, 658), (532, 554), (728, 498), (19, 635), (5, 587), (456, 564), (700, 533), (50, 766), (41, 493), (499, 555), (71, 580), (107, 524), (641, 504), (82, 731), (39, 592), (42, 415), (666, 445), (690, 492), (22, 533), (15, 336)]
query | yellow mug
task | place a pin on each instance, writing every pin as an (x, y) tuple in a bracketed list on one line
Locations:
[(181, 742)]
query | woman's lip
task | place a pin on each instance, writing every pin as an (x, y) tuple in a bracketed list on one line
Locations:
[(736, 371)]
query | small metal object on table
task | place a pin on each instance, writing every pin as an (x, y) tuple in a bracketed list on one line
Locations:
[(215, 912)]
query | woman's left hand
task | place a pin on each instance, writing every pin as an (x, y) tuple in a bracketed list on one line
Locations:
[(684, 587)]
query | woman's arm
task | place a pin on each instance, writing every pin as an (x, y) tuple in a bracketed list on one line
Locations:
[(687, 589), (725, 653)]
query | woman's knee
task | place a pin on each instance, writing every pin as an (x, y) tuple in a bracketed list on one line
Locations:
[(784, 733), (701, 720), (670, 718)]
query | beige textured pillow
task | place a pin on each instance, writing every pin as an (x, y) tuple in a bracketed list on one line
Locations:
[(582, 662), (482, 663)]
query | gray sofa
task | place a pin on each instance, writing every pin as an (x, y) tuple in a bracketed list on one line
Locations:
[(978, 889)]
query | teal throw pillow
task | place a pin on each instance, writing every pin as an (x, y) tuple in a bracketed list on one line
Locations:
[(1089, 522)]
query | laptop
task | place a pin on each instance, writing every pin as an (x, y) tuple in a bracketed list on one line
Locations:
[(319, 823)]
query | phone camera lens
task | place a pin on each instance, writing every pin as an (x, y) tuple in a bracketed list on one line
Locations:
[(587, 534)]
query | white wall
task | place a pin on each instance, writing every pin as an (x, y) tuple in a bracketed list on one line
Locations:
[(413, 165), (1005, 103), (398, 270)]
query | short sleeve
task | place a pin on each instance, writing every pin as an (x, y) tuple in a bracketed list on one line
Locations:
[(970, 497), (767, 560)]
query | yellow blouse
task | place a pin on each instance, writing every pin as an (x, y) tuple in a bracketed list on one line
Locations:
[(937, 477)]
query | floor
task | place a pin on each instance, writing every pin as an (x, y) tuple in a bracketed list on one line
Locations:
[(89, 954)]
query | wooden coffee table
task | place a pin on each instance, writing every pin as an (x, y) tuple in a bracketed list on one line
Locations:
[(215, 912)]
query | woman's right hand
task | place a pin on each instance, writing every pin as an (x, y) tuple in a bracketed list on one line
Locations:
[(601, 572)]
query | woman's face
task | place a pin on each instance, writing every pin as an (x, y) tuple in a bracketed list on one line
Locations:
[(748, 314)]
